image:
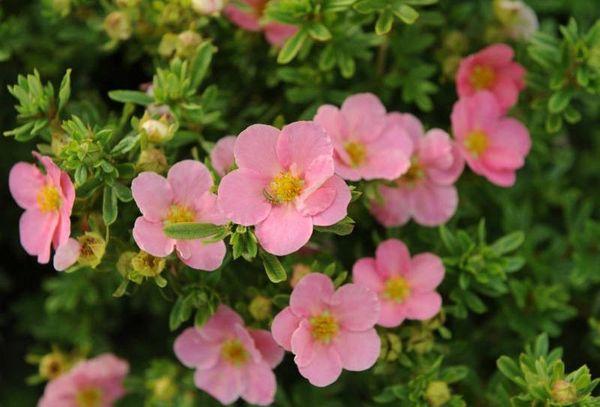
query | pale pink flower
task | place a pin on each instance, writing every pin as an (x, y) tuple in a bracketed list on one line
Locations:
[(221, 156), (96, 382), (47, 198), (328, 330), (250, 19), (184, 196), (405, 286), (493, 145), (284, 185), (367, 145), (492, 69), (208, 7), (231, 361), (426, 192), (66, 254)]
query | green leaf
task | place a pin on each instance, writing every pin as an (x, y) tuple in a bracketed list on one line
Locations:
[(292, 46), (126, 144), (110, 208), (273, 267), (64, 92), (191, 230), (508, 243), (130, 96), (201, 62), (319, 32), (508, 368), (406, 13), (384, 23), (342, 228), (181, 311), (123, 193), (559, 101)]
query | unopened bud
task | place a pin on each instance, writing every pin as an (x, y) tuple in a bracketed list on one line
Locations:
[(260, 308), (157, 130), (118, 26), (437, 393), (208, 7), (163, 388), (187, 43), (168, 45), (152, 159), (564, 392), (62, 7), (299, 270)]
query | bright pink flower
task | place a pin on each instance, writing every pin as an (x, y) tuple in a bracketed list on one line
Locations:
[(405, 286), (67, 254), (221, 156), (492, 69), (231, 361), (95, 382), (184, 196), (284, 185), (493, 145), (250, 19), (47, 198), (367, 145), (426, 192), (329, 330)]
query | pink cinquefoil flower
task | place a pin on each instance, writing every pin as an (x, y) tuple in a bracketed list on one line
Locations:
[(184, 196), (328, 330), (231, 361), (47, 198), (250, 19), (95, 382), (221, 156), (405, 286), (426, 192), (492, 69), (367, 145), (284, 185), (493, 145)]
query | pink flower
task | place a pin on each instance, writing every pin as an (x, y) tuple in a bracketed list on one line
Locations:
[(47, 198), (426, 192), (221, 156), (284, 185), (250, 19), (367, 145), (405, 286), (184, 196), (231, 361), (329, 330), (95, 382), (493, 145), (492, 69)]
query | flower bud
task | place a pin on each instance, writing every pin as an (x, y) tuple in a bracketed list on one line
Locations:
[(299, 270), (152, 159), (146, 265), (168, 45), (260, 308), (208, 7), (157, 131), (519, 20), (163, 388), (124, 264), (563, 392), (62, 7), (437, 393), (187, 43), (118, 25), (53, 365), (420, 340), (92, 249)]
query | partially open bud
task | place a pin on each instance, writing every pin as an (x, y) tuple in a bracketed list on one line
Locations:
[(437, 393), (187, 43), (260, 308), (519, 20), (299, 270), (118, 26), (208, 7), (157, 131), (53, 365), (564, 392), (92, 248), (146, 265), (152, 159)]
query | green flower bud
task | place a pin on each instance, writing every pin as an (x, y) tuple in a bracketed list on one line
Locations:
[(124, 264), (157, 130), (62, 7), (152, 159), (260, 308), (118, 26), (437, 393), (420, 340), (564, 392), (187, 43), (168, 45), (163, 388)]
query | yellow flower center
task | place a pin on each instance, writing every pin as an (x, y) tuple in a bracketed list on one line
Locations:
[(180, 214), (476, 142), (48, 199), (234, 352), (396, 289), (356, 151), (324, 327), (414, 174), (91, 397), (284, 188), (482, 77)]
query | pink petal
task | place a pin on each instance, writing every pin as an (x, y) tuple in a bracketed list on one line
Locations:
[(311, 295), (317, 202), (255, 149), (52, 171), (260, 384), (153, 195), (506, 92), (448, 174), (284, 231), (277, 34), (426, 272), (435, 149), (320, 170), (68, 192), (395, 210), (25, 181), (338, 208), (365, 115), (355, 307), (332, 121), (510, 143), (300, 143), (36, 230), (189, 181), (149, 236), (200, 255), (502, 178), (303, 344), (222, 324), (271, 353), (496, 54), (392, 258), (386, 164), (325, 367), (392, 314), (433, 205), (412, 125), (241, 197), (66, 255), (63, 228), (223, 382), (364, 272), (283, 327), (246, 20), (358, 350), (221, 156), (194, 351), (207, 210), (422, 306)]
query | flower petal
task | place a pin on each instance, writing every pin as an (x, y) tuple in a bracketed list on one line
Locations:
[(317, 202), (223, 382), (332, 121), (25, 181), (358, 350), (260, 384), (311, 294), (271, 353), (426, 272), (284, 231), (151, 238), (325, 367), (422, 306), (255, 149), (201, 255), (36, 230), (221, 156), (283, 327), (355, 307), (339, 207), (433, 205), (392, 257), (153, 195), (395, 210), (66, 254), (392, 314), (301, 143), (241, 197), (194, 351), (365, 115), (364, 272), (303, 344), (208, 211), (222, 324), (189, 181)]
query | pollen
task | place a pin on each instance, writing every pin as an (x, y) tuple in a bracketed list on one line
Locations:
[(396, 289), (180, 214), (48, 199), (476, 142), (284, 188), (482, 77), (357, 153), (324, 327), (90, 397), (414, 174), (233, 352)]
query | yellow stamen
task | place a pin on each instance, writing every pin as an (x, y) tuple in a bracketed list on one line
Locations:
[(357, 152), (476, 142), (284, 188), (482, 77), (414, 174), (180, 214), (90, 397), (396, 289), (233, 352), (48, 199), (324, 327)]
